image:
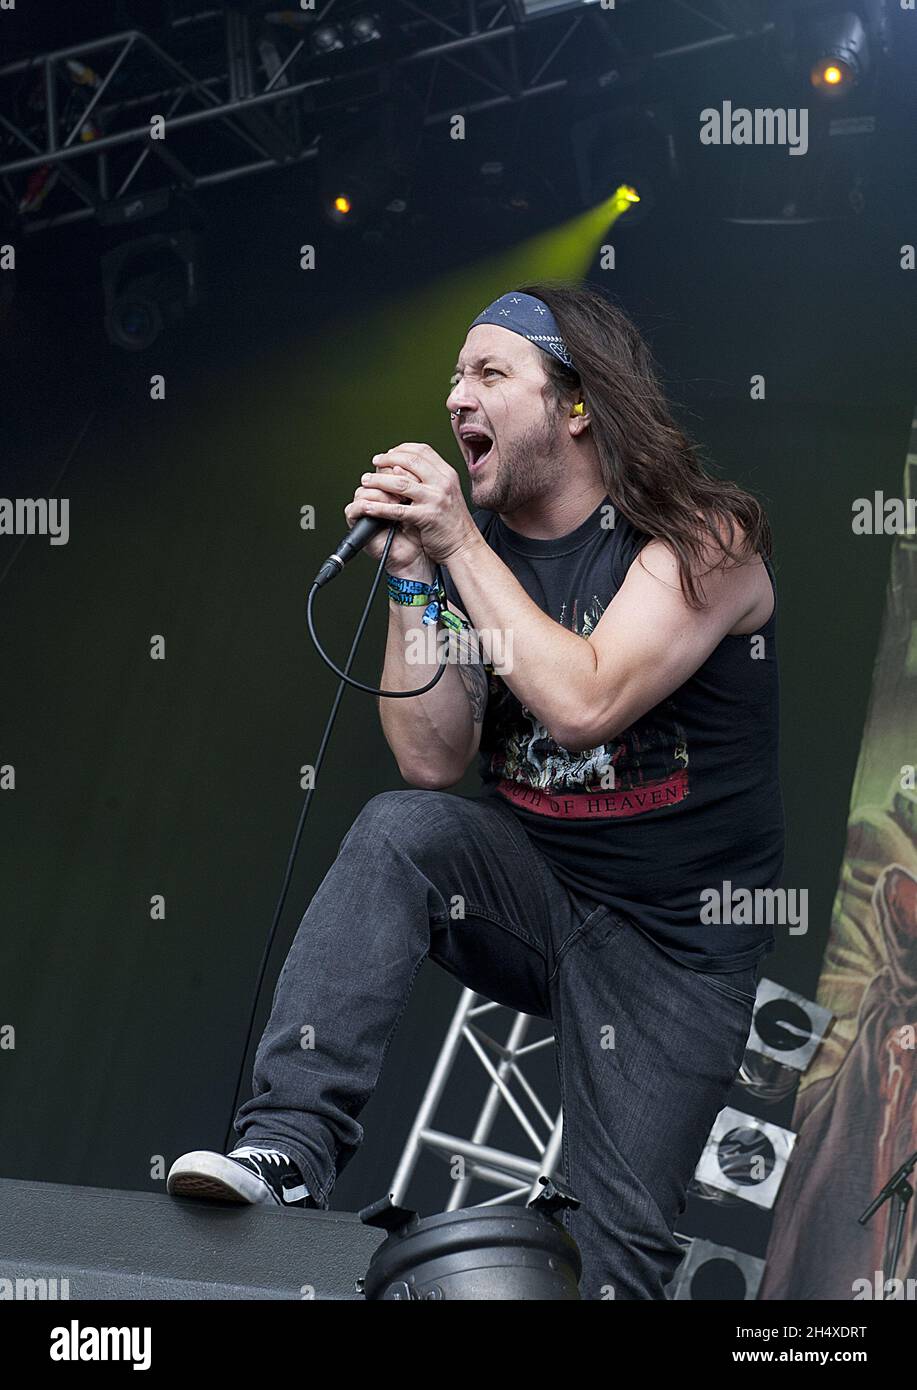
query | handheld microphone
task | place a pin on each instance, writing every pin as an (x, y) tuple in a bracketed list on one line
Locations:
[(359, 534)]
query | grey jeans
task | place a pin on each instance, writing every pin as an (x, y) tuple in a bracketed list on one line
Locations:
[(646, 1048)]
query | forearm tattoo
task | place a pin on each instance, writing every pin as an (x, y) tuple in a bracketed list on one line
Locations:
[(473, 673)]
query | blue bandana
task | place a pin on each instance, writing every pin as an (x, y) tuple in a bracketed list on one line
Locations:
[(524, 314)]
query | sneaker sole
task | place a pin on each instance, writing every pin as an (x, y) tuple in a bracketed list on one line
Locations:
[(210, 1175)]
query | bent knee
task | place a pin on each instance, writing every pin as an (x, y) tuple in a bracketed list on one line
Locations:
[(410, 815)]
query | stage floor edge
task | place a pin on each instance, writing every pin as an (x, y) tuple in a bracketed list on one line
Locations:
[(105, 1243)]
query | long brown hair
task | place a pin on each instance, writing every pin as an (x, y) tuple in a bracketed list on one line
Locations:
[(650, 468)]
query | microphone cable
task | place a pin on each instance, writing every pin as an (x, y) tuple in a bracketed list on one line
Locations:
[(345, 679)]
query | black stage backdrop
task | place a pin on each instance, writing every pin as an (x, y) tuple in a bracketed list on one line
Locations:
[(180, 777)]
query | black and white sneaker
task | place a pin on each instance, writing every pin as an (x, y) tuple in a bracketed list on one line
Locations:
[(264, 1177)]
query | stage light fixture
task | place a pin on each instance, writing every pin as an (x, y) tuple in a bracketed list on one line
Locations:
[(364, 168), (148, 283), (625, 160), (625, 197), (632, 198), (842, 54), (327, 38), (346, 200), (831, 78), (364, 28), (356, 191)]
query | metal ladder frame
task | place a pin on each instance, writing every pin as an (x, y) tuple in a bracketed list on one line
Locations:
[(516, 1174)]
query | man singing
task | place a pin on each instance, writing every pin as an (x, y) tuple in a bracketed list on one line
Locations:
[(624, 713)]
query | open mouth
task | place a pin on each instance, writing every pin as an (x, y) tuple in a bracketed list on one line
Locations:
[(478, 447)]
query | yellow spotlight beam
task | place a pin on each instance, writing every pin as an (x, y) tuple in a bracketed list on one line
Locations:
[(421, 337), (388, 382)]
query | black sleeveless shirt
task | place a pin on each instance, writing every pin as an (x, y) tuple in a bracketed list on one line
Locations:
[(668, 821)]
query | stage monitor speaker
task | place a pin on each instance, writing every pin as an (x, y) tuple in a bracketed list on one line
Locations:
[(59, 1242)]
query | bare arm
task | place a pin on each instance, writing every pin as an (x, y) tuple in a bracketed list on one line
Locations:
[(646, 644), (435, 736)]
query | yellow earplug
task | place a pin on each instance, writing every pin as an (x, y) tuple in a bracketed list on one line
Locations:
[(579, 408)]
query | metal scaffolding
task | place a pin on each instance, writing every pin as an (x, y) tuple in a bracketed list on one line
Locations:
[(515, 1173), (240, 92)]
